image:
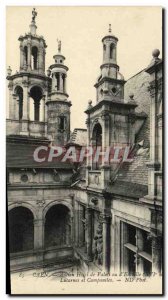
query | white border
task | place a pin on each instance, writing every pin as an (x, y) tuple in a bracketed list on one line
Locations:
[(3, 4)]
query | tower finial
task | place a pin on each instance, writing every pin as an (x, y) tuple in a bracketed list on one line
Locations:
[(109, 28), (59, 45), (34, 14)]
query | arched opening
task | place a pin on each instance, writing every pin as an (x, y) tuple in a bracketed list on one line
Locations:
[(112, 49), (34, 58), (19, 93), (21, 229), (25, 55), (62, 122), (36, 95), (57, 226), (97, 143), (57, 81)]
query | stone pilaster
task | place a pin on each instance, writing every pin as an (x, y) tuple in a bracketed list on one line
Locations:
[(29, 56), (38, 234), (11, 101), (25, 100), (40, 59), (89, 232), (106, 221), (156, 254), (21, 58)]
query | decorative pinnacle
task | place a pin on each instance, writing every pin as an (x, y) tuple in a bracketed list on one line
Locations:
[(155, 53), (109, 28), (59, 45), (34, 14)]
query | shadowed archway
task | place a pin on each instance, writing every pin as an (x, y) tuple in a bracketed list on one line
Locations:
[(57, 226), (21, 229)]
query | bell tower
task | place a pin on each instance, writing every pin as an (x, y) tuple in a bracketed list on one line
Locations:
[(28, 88), (58, 107), (110, 84), (110, 121)]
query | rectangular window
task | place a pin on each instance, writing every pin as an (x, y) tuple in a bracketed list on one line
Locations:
[(137, 250)]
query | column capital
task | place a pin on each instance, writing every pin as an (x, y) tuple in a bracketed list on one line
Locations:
[(39, 222), (105, 218)]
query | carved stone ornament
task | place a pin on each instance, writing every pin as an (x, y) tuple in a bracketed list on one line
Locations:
[(24, 178), (98, 245), (40, 203)]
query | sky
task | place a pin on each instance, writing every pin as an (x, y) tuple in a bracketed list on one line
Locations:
[(81, 29)]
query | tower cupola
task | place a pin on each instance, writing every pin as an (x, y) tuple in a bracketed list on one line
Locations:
[(32, 49), (59, 75), (58, 107), (110, 84)]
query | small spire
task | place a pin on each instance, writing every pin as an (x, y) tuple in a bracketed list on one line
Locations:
[(34, 15), (59, 45), (109, 28)]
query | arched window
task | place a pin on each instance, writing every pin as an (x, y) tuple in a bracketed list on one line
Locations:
[(36, 94), (35, 58), (112, 47), (21, 229), (97, 142), (57, 81), (19, 93), (62, 122), (57, 226)]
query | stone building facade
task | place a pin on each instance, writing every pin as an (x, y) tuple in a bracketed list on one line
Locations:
[(99, 215)]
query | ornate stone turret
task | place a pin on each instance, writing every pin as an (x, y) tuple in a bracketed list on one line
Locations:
[(59, 74), (58, 128), (32, 49), (30, 83), (111, 120), (110, 84)]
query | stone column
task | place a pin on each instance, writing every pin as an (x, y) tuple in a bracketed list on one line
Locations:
[(105, 132), (61, 82), (156, 254), (81, 227), (11, 101), (43, 102), (89, 232), (40, 59), (106, 220), (21, 58), (29, 56), (65, 84), (25, 101), (38, 234)]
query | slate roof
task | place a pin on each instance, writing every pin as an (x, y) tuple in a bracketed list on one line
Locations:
[(132, 178), (78, 137), (138, 85), (128, 189), (19, 155)]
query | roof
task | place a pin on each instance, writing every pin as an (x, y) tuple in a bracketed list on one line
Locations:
[(138, 85), (131, 179), (79, 137), (19, 155), (135, 171), (128, 189)]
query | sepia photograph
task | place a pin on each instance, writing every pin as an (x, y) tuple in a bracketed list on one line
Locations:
[(84, 150)]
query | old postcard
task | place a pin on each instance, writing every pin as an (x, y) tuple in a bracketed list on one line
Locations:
[(84, 150)]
